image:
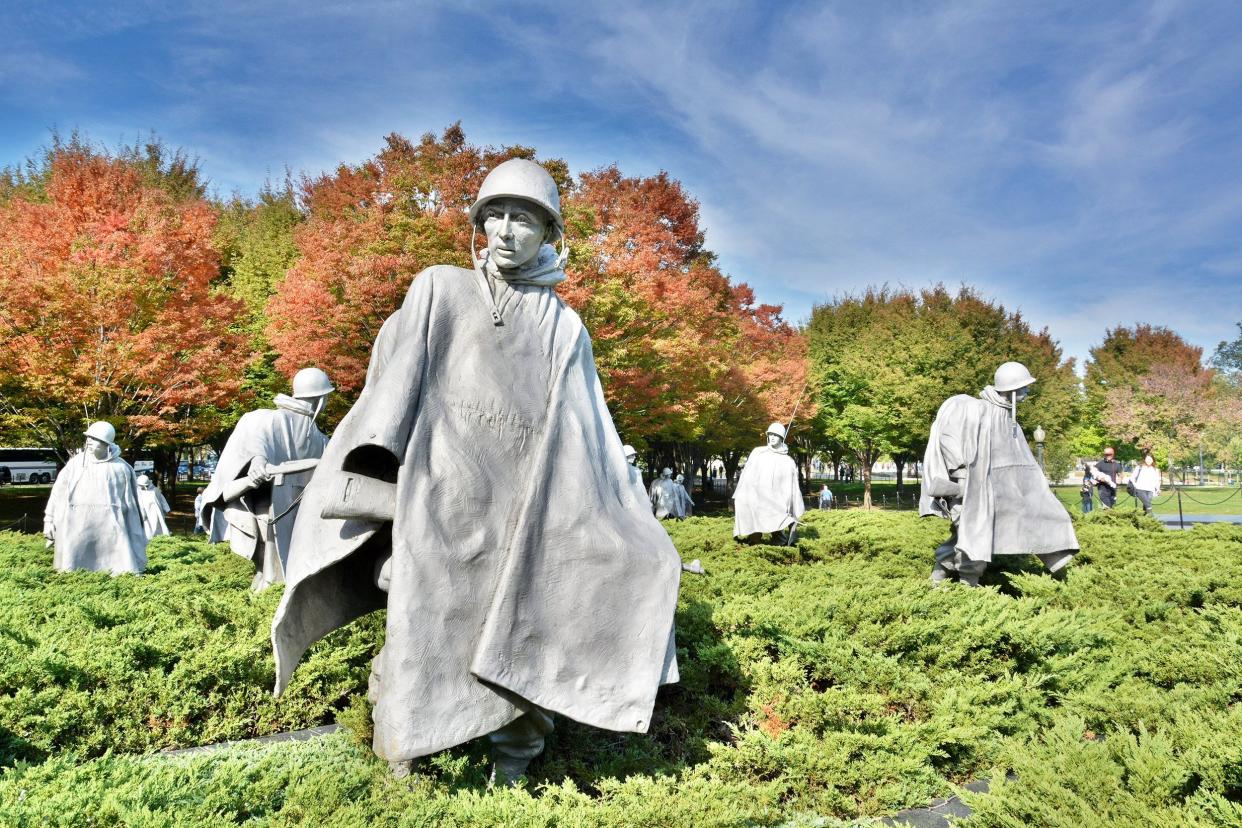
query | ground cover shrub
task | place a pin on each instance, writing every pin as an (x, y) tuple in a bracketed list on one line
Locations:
[(177, 657), (821, 683)]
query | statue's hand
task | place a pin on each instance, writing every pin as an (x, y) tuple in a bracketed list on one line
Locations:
[(258, 472)]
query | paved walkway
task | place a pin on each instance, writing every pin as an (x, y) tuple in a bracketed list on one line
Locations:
[(1172, 521), (291, 736)]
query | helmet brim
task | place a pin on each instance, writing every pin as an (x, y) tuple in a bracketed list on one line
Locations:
[(557, 221)]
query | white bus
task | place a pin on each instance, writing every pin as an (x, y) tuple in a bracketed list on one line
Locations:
[(29, 465)]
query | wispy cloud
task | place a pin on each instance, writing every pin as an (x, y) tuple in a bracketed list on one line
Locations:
[(1074, 161)]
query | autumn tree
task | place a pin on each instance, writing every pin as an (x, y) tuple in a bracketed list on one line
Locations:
[(1119, 362), (689, 362), (107, 305), (370, 229), (1167, 410)]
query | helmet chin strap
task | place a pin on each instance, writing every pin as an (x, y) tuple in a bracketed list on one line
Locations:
[(1013, 412)]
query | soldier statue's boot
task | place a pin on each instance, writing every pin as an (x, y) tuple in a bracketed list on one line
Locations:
[(402, 769), (969, 572), (515, 744), (945, 553)]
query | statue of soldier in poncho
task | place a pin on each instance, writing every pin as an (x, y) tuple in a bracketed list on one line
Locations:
[(687, 502), (154, 506), (93, 519), (980, 474), (252, 499), (636, 474), (553, 592), (767, 498), (665, 499)]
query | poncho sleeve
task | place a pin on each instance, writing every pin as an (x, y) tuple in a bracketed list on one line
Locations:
[(330, 579)]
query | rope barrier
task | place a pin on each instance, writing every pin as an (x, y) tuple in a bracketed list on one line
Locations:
[(1228, 497), (20, 521)]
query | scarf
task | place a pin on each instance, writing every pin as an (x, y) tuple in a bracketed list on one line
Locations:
[(545, 270)]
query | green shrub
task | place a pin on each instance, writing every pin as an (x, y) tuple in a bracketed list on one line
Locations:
[(820, 683), (176, 657)]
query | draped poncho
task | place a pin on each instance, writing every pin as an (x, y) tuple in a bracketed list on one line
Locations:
[(153, 505), (767, 498), (526, 569), (94, 516), (259, 524), (977, 456)]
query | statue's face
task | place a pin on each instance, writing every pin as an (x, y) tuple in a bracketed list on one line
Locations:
[(774, 441), (1021, 393), (515, 230), (632, 459), (97, 448)]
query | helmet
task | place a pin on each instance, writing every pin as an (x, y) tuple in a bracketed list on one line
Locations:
[(680, 477), (666, 473), (102, 431), (629, 451), (143, 480), (519, 178), (311, 382), (1011, 376), (778, 429)]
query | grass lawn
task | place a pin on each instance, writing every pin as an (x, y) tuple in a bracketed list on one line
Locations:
[(821, 685)]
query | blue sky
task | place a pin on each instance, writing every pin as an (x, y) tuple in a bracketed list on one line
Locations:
[(1081, 162)]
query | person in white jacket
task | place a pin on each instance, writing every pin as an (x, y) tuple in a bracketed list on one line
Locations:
[(1146, 481)]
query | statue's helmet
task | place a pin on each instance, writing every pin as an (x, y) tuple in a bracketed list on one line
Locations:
[(311, 383), (778, 429), (629, 451), (102, 431), (1012, 376), (680, 478), (519, 178), (144, 481), (666, 473)]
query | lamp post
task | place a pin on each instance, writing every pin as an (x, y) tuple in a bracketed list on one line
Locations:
[(1039, 444)]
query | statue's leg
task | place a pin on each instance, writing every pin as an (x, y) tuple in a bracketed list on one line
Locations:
[(969, 571), (515, 744), (946, 558)]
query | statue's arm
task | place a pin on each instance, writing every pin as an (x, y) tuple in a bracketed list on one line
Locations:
[(366, 486)]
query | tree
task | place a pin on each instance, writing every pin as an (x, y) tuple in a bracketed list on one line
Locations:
[(1166, 411), (885, 361), (370, 229), (107, 305), (1227, 359), (1120, 361)]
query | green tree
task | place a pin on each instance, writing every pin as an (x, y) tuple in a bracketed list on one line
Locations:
[(884, 362)]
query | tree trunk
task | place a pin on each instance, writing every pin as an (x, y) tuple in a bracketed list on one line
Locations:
[(731, 459), (864, 460)]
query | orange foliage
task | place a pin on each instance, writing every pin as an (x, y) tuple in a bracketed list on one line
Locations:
[(684, 355), (106, 306)]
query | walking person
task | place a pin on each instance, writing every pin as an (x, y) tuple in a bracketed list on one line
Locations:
[(1110, 473), (1146, 482), (825, 497)]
